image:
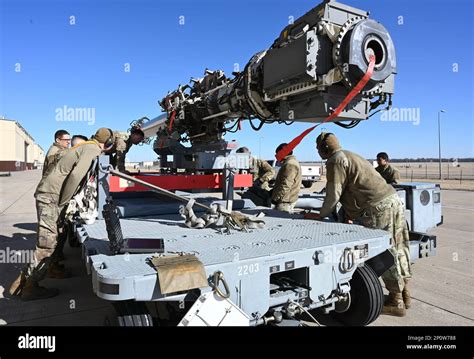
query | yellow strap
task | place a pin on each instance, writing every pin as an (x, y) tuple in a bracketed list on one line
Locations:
[(84, 143)]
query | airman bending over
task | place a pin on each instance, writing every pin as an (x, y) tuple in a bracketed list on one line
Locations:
[(52, 194), (122, 144), (261, 170), (368, 199)]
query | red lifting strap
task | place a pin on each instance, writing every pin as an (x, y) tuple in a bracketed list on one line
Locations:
[(360, 85), (172, 117)]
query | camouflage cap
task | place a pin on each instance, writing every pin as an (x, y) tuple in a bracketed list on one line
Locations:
[(103, 135), (327, 141)]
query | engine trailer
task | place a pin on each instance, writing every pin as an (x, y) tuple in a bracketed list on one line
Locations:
[(290, 266), (289, 271)]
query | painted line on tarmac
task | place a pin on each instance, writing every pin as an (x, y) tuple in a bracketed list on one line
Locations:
[(443, 309)]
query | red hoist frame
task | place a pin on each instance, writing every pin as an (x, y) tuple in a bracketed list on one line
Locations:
[(178, 182)]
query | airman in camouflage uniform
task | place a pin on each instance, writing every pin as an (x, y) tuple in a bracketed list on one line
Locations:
[(52, 194), (368, 199), (49, 164), (287, 184), (389, 174), (122, 144), (261, 170), (61, 143), (62, 139)]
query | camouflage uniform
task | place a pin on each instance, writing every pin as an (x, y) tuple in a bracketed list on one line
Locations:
[(262, 173), (52, 194), (287, 185), (368, 199), (389, 174), (119, 150), (48, 211), (52, 157), (389, 215), (353, 182)]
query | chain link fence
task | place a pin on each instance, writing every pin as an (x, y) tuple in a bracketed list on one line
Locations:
[(462, 171)]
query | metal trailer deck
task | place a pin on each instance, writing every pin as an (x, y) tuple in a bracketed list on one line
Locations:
[(314, 251)]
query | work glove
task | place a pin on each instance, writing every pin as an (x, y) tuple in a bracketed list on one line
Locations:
[(257, 183)]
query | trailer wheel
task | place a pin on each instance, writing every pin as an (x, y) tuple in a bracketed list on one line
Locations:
[(366, 299), (129, 314), (307, 184)]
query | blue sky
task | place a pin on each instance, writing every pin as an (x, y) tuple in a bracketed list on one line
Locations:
[(82, 65)]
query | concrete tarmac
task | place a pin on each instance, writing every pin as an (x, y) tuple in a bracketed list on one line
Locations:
[(442, 287)]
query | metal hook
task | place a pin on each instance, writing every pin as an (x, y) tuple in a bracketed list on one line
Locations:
[(219, 277)]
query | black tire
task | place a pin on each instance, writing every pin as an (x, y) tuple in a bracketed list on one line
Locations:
[(129, 314), (366, 299), (307, 184)]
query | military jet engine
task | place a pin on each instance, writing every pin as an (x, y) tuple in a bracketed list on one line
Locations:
[(303, 77)]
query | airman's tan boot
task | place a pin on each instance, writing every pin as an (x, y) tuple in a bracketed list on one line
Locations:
[(394, 305), (18, 284), (33, 291), (57, 271)]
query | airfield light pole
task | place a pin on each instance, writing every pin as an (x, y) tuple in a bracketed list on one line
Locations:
[(439, 140)]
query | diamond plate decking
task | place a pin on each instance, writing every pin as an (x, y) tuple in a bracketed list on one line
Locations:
[(282, 233)]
